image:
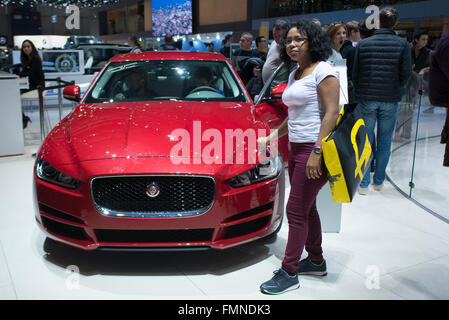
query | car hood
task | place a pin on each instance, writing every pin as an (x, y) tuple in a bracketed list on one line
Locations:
[(147, 129)]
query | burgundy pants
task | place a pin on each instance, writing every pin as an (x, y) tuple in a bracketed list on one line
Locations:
[(303, 219)]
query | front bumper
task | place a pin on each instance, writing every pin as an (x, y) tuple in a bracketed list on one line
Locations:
[(237, 216)]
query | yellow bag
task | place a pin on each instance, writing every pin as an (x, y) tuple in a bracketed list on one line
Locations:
[(347, 153)]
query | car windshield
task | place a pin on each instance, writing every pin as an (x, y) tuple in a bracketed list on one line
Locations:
[(82, 40), (192, 80)]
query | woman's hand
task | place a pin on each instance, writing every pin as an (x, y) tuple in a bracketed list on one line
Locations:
[(424, 70), (313, 166), (262, 144)]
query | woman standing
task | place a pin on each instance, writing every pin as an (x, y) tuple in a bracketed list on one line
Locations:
[(31, 68), (134, 43), (342, 48), (312, 97)]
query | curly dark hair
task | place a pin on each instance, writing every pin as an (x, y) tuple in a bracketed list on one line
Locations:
[(319, 44)]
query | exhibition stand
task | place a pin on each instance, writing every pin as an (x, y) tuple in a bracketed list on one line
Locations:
[(11, 124)]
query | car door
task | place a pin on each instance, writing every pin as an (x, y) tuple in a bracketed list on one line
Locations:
[(269, 106)]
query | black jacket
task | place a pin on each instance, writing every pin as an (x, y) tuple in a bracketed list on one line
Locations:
[(34, 73), (439, 86), (439, 73), (254, 86), (168, 46), (347, 51), (382, 67)]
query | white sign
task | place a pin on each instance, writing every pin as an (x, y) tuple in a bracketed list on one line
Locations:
[(73, 20)]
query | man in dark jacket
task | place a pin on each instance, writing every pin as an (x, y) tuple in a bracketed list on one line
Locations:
[(382, 67), (347, 51), (168, 43), (439, 86)]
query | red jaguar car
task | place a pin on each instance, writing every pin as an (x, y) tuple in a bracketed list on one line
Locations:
[(160, 153)]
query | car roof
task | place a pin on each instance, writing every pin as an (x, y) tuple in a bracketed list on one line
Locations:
[(170, 55)]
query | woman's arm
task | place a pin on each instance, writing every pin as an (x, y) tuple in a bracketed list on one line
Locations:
[(329, 95)]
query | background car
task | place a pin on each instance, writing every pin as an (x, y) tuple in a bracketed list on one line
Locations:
[(74, 41), (155, 155), (97, 55)]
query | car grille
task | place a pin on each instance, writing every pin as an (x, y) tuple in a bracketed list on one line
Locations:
[(127, 196)]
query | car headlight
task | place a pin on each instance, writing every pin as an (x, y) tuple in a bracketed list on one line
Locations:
[(47, 172), (266, 170)]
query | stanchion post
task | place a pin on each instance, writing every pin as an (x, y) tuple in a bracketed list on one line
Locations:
[(411, 183), (58, 79), (40, 91), (73, 103)]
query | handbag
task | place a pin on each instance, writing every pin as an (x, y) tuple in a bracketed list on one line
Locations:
[(347, 153)]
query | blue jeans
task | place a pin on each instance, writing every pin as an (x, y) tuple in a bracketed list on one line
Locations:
[(385, 114)]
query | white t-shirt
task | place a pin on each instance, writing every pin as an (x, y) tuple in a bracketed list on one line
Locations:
[(304, 109), (336, 59)]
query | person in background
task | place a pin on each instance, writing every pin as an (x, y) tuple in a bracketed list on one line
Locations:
[(347, 51), (316, 21), (353, 32), (421, 61), (261, 47), (150, 47), (439, 86), (419, 80), (273, 60), (132, 42), (385, 57), (364, 31), (324, 27), (239, 56), (255, 84), (202, 77), (420, 52), (191, 46), (168, 43), (136, 87), (312, 97), (226, 46), (251, 68), (31, 64), (210, 46), (433, 43), (337, 34)]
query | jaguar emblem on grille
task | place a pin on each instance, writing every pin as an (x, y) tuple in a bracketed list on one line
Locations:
[(153, 190)]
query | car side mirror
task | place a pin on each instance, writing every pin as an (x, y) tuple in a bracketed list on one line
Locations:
[(276, 92), (72, 93)]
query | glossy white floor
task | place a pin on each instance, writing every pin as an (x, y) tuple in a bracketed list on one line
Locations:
[(431, 179), (388, 248)]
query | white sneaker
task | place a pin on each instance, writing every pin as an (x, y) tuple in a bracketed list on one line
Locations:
[(378, 187), (363, 191)]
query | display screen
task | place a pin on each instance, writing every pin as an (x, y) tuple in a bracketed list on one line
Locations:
[(59, 61), (172, 16)]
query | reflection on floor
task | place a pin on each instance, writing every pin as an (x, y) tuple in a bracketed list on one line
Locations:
[(388, 248)]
